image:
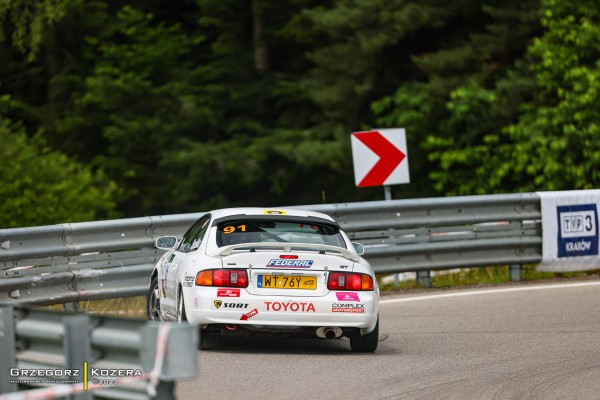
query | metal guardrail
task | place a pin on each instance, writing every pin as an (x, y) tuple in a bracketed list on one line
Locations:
[(90, 260), (43, 349), (95, 260), (444, 233)]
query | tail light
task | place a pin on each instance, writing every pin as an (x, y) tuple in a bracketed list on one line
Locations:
[(349, 281), (222, 278)]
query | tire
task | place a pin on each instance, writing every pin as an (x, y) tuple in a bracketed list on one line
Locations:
[(365, 343), (181, 316), (152, 301), (201, 339)]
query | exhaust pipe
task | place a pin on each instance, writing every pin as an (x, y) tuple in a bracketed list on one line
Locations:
[(231, 327), (326, 332)]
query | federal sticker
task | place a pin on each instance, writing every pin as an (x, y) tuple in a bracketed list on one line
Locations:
[(277, 262), (577, 230)]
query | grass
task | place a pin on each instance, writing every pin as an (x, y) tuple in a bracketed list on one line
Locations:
[(488, 276), (133, 307)]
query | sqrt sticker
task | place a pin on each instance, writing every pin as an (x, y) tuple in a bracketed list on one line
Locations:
[(577, 230)]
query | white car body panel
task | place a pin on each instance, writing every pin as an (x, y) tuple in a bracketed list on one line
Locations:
[(267, 309)]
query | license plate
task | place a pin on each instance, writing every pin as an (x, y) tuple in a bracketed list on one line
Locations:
[(287, 282)]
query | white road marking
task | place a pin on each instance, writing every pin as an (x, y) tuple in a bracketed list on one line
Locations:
[(489, 291)]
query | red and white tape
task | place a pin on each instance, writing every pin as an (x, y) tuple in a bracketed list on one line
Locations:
[(162, 338), (64, 390), (153, 377)]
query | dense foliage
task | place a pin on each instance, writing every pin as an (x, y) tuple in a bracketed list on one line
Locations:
[(148, 107), (40, 185)]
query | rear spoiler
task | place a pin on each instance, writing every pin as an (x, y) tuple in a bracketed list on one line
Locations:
[(287, 248)]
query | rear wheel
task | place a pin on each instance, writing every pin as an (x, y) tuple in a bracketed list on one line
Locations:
[(152, 301), (181, 317), (201, 338), (365, 343)]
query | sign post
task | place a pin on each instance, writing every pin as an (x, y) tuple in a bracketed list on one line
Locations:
[(380, 158)]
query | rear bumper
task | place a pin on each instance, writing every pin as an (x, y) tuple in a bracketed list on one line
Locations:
[(335, 309)]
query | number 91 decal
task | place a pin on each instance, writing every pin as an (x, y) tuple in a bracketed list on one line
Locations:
[(230, 229)]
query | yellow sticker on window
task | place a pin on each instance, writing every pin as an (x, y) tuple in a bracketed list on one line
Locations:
[(274, 212), (230, 229)]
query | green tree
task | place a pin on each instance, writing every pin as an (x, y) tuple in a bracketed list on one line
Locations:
[(259, 150), (29, 22), (538, 125), (195, 104), (354, 52), (39, 186), (472, 82), (555, 142), (141, 94)]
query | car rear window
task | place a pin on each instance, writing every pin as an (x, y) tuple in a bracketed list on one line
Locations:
[(272, 231)]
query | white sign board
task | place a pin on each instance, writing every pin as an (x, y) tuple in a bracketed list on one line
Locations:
[(380, 157), (569, 231)]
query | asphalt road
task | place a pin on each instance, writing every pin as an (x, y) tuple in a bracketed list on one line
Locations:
[(525, 342)]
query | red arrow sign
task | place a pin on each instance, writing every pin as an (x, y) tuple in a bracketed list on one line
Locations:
[(249, 315), (389, 158)]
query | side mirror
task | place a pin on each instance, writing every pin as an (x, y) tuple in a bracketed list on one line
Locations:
[(360, 249), (166, 242)]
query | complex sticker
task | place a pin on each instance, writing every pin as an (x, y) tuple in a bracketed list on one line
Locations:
[(348, 308)]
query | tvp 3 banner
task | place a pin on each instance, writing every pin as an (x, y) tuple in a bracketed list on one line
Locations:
[(570, 231)]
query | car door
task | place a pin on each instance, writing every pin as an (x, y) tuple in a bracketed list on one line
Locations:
[(164, 276), (189, 243)]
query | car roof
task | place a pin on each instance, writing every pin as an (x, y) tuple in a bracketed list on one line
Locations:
[(225, 212)]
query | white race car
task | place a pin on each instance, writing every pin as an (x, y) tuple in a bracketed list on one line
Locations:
[(284, 271)]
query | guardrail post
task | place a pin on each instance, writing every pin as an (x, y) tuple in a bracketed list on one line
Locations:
[(179, 362), (516, 272), (8, 346), (77, 346), (71, 307), (424, 278)]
